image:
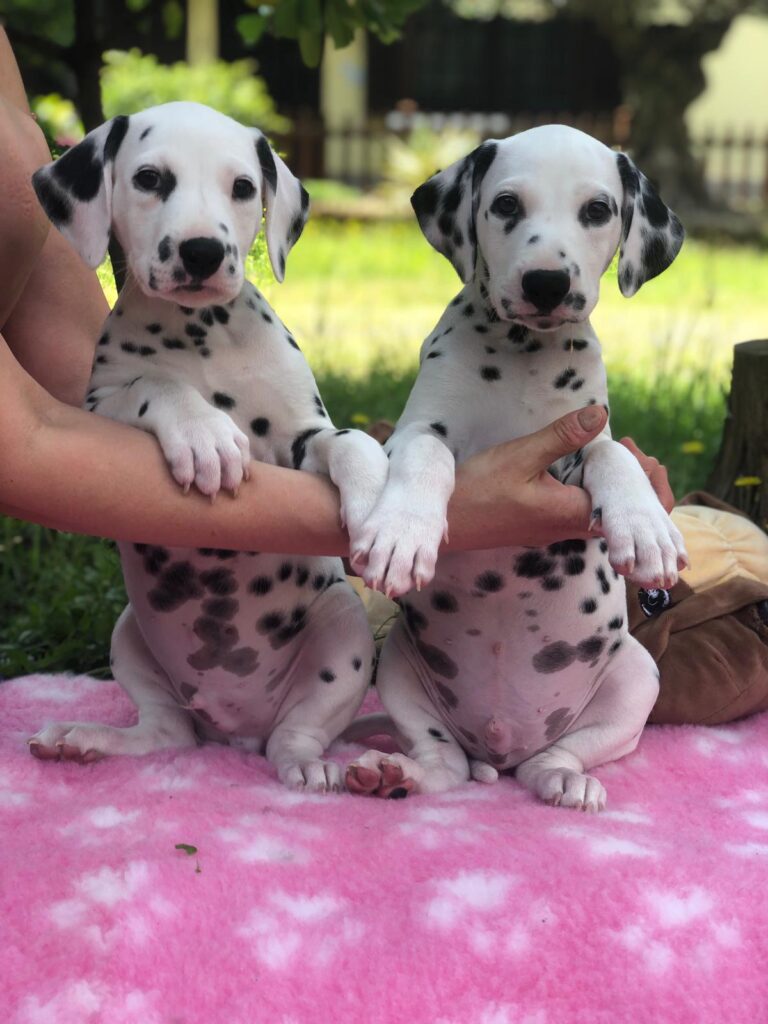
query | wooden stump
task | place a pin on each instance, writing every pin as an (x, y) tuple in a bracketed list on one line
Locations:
[(740, 473)]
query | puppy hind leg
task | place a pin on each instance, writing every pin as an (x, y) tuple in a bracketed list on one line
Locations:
[(162, 722), (334, 673), (608, 728), (432, 761)]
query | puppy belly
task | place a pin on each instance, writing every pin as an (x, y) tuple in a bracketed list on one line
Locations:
[(232, 631), (511, 647)]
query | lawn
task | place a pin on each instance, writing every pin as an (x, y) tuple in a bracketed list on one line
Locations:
[(360, 298)]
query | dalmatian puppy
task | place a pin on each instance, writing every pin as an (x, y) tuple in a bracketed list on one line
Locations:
[(269, 652), (519, 658)]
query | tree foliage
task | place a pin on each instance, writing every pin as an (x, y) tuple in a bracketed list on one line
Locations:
[(310, 21), (133, 81)]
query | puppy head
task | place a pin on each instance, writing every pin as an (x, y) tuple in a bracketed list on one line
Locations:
[(539, 217), (183, 188)]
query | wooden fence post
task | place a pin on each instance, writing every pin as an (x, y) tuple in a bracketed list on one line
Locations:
[(740, 473)]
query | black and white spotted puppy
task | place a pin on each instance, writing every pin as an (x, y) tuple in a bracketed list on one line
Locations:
[(519, 658), (270, 652)]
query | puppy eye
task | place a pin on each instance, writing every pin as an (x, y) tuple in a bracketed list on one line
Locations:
[(506, 205), (147, 179), (243, 188), (597, 212)]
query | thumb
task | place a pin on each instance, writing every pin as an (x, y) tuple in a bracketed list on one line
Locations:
[(562, 437)]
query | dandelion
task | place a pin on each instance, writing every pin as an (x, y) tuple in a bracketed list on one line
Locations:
[(360, 419), (747, 481), (692, 447)]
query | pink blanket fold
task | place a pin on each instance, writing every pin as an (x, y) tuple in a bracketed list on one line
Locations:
[(479, 906)]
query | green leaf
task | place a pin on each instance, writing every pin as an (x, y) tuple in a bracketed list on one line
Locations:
[(173, 18), (285, 20), (189, 850), (251, 28), (311, 46)]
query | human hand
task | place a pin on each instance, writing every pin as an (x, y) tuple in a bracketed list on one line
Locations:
[(504, 495), (656, 473)]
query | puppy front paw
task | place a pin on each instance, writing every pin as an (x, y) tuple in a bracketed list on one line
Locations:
[(396, 549), (643, 544), (208, 450)]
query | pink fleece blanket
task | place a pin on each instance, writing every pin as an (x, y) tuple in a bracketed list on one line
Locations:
[(479, 906)]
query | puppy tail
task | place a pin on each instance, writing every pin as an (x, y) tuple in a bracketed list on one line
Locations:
[(369, 725)]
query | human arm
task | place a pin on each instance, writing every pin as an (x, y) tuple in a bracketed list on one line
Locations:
[(76, 471)]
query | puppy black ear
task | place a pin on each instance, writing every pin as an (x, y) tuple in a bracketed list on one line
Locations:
[(286, 205), (76, 190), (651, 234), (446, 206)]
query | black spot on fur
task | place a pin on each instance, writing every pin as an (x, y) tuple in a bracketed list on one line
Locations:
[(327, 676), (267, 163), (143, 409), (241, 662), (439, 428), (284, 571), (176, 585), (260, 426), (616, 623), (299, 446), (173, 343), (490, 582), (564, 378), (447, 695), (164, 249), (221, 607), (220, 582), (588, 605), (222, 401), (155, 557), (220, 314), (605, 586), (442, 601), (167, 184), (437, 735), (554, 657), (195, 331), (79, 170), (414, 619), (532, 564), (260, 585), (590, 648), (490, 373), (55, 203), (552, 583)]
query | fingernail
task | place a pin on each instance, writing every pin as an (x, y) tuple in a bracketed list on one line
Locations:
[(590, 416)]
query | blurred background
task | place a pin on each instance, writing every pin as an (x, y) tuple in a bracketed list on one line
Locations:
[(366, 99)]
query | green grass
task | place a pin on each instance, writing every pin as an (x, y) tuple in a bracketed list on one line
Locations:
[(360, 299)]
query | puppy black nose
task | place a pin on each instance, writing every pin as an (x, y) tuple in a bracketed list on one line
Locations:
[(201, 256), (546, 288)]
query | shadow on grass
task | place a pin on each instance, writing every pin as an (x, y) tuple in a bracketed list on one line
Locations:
[(60, 594)]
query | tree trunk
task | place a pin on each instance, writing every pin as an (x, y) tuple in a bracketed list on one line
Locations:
[(86, 62), (661, 78), (740, 473)]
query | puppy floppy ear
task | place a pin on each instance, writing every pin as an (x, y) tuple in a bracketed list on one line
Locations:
[(76, 190), (651, 234), (446, 207), (286, 206)]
